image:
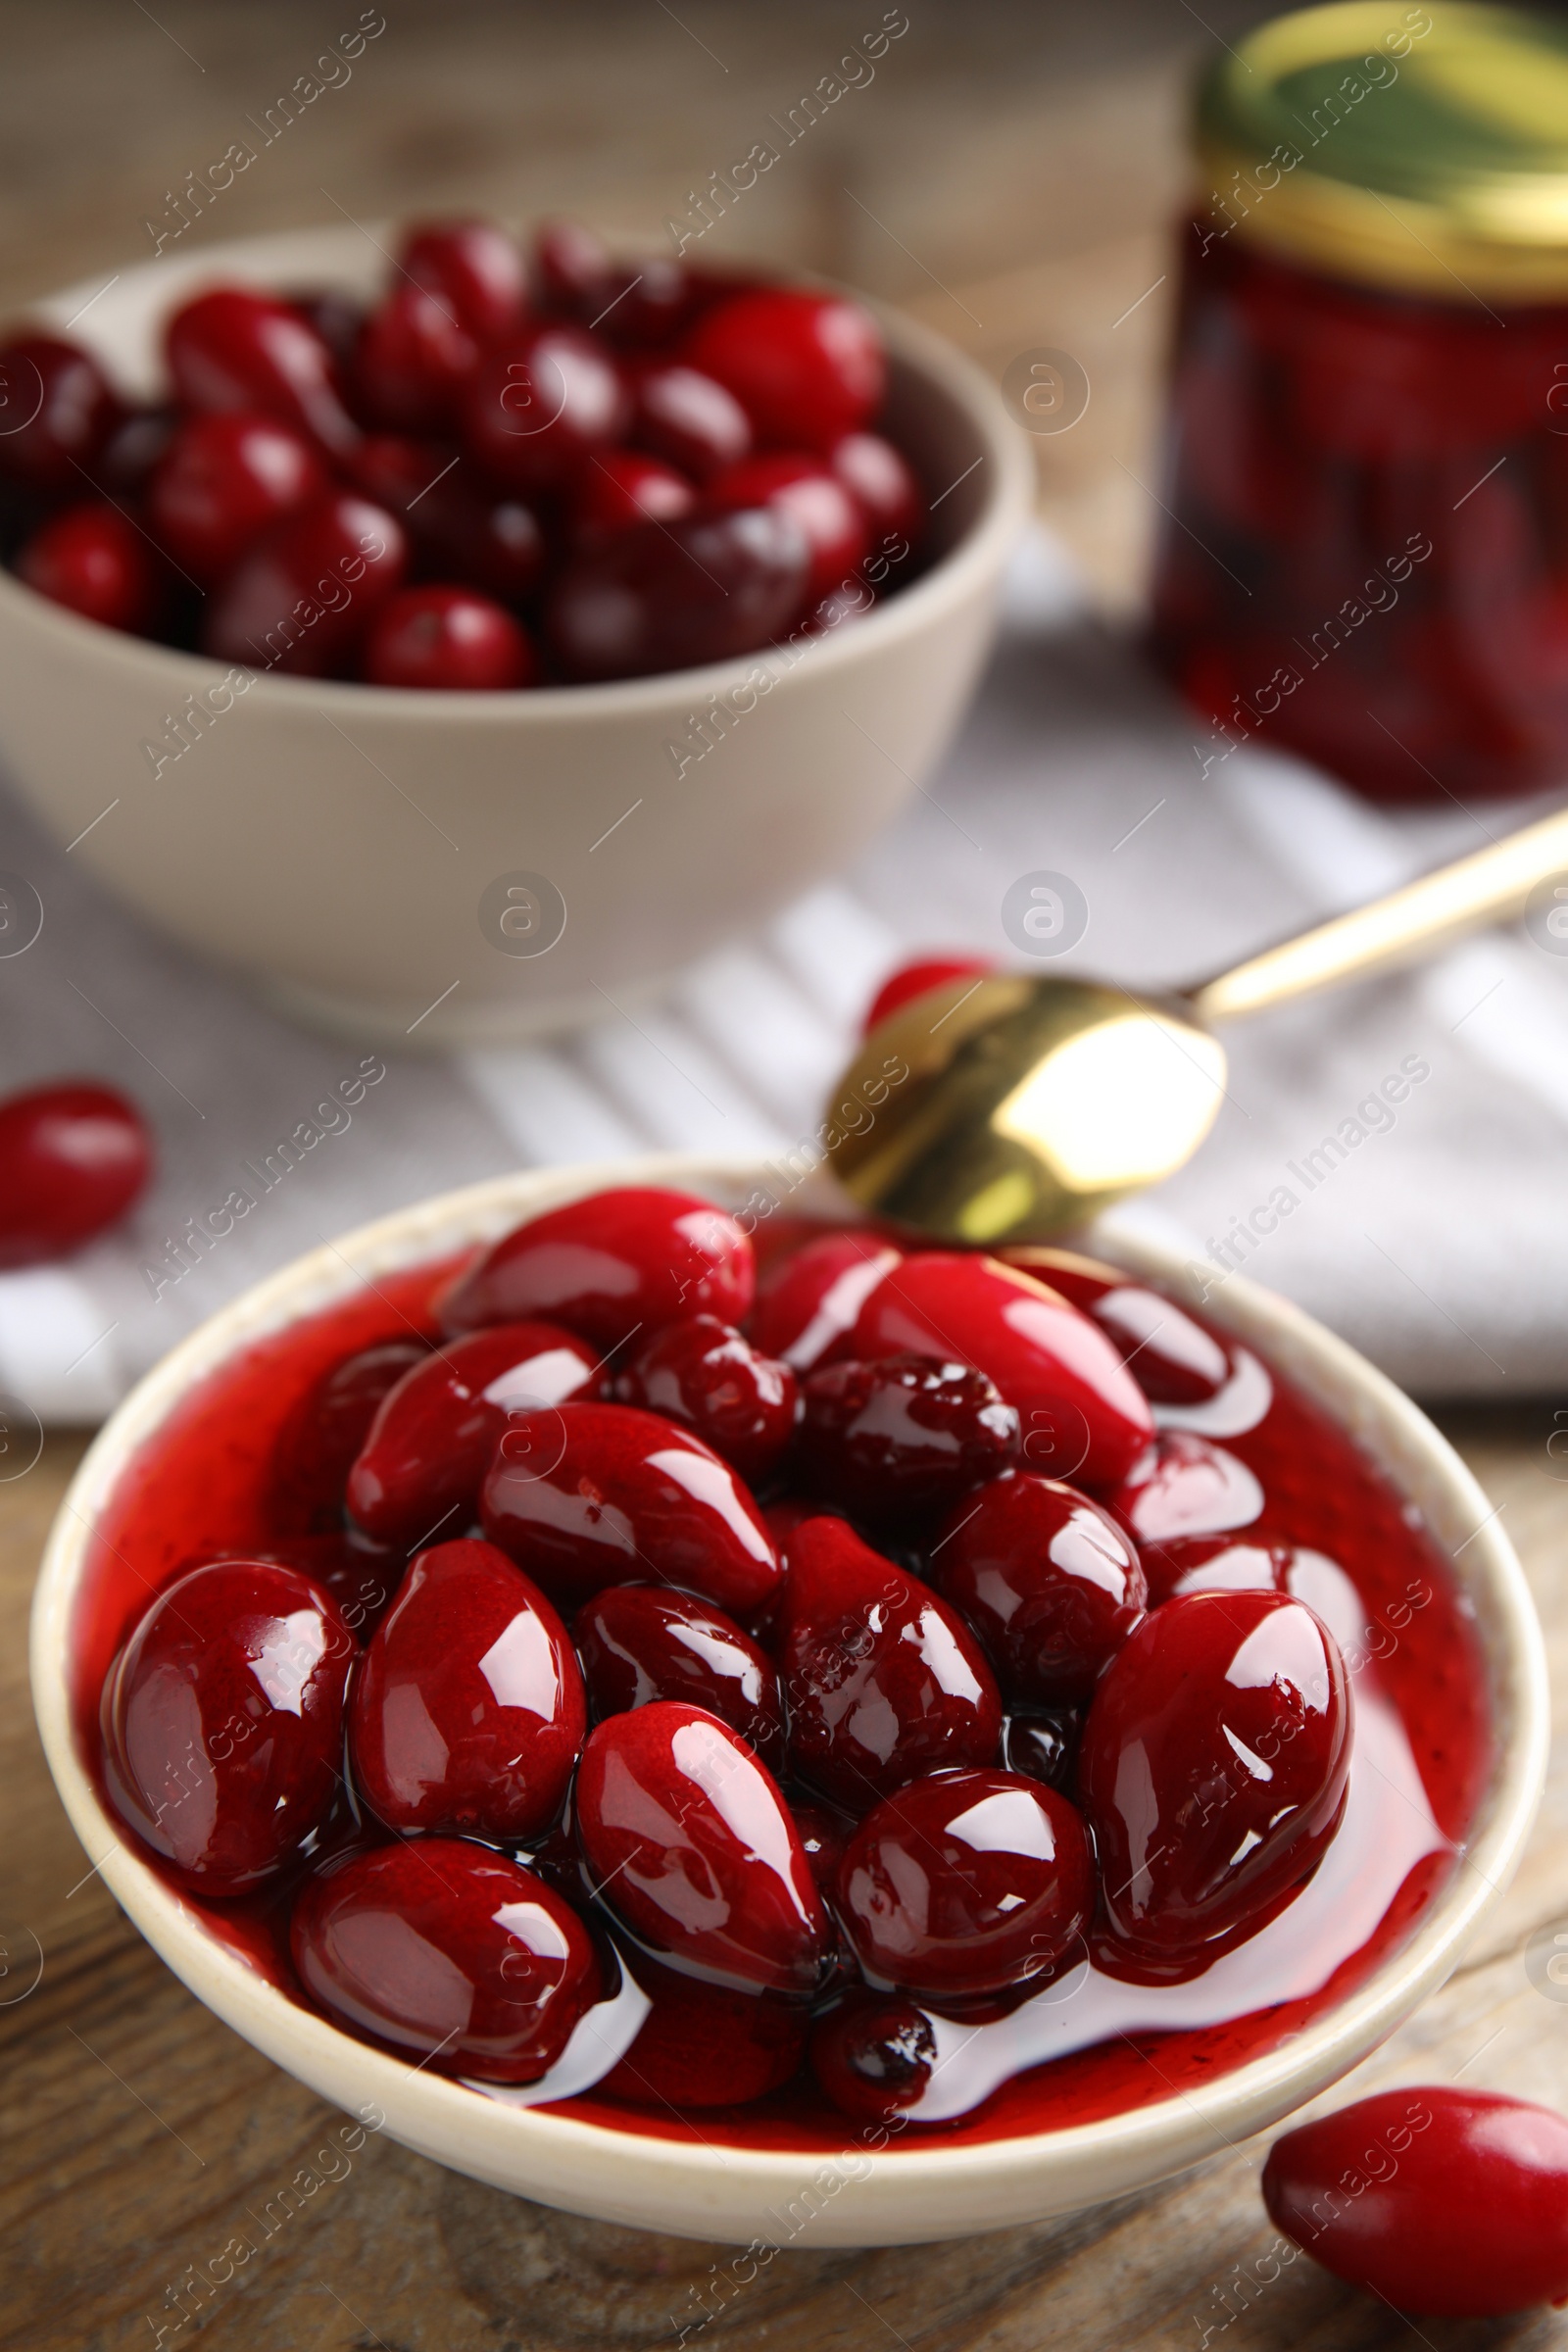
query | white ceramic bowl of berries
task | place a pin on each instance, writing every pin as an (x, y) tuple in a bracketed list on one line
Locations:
[(420, 617), (709, 1715)]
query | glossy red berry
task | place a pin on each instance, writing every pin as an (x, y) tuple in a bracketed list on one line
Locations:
[(873, 2055), (809, 1301), (57, 413), (460, 531), (898, 1441), (1082, 1414), (883, 1681), (965, 1884), (1186, 1486), (574, 270), (398, 469), (335, 316), (360, 1575), (96, 562), (73, 1157), (824, 1833), (469, 1711), (596, 1494), (418, 1471), (706, 2045), (450, 1951), (451, 639), (1213, 1770), (325, 1429), (236, 349), (536, 411), (223, 1722), (691, 422), (687, 1835), (496, 544), (808, 369), (305, 595), (1082, 1281), (615, 1266), (128, 459), (880, 479), (1250, 1563), (412, 363), (913, 980), (638, 1642), (1048, 1582), (473, 269), (221, 482), (802, 487), (703, 1373), (674, 596), (1173, 1358), (623, 488), (784, 1520), (1440, 2200), (647, 301), (1043, 1744)]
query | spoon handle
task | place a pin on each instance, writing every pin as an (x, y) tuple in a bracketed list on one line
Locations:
[(1491, 887)]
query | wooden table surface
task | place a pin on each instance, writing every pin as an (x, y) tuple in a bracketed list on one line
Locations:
[(1010, 176)]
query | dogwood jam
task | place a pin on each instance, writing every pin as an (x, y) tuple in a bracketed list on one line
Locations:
[(1368, 483), (1087, 2046)]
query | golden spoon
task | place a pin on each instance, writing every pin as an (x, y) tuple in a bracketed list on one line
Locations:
[(1032, 1102)]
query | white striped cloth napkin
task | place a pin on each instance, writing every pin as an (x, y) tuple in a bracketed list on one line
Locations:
[(1431, 1236)]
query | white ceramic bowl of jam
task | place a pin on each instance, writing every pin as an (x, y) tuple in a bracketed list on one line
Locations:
[(1094, 2087), (334, 844)]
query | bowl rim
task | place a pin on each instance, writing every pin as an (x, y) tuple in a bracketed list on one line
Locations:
[(1006, 501), (911, 2193)]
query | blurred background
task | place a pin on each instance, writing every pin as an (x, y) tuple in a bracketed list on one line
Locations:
[(1011, 175)]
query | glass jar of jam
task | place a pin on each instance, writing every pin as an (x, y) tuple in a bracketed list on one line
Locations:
[(1365, 556)]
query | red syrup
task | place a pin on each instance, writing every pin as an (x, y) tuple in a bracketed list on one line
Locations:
[(196, 1488)]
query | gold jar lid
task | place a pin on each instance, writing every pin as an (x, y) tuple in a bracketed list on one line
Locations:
[(1423, 148)]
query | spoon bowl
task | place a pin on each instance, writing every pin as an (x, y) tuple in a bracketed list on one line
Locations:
[(1013, 1106), (1027, 1105)]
